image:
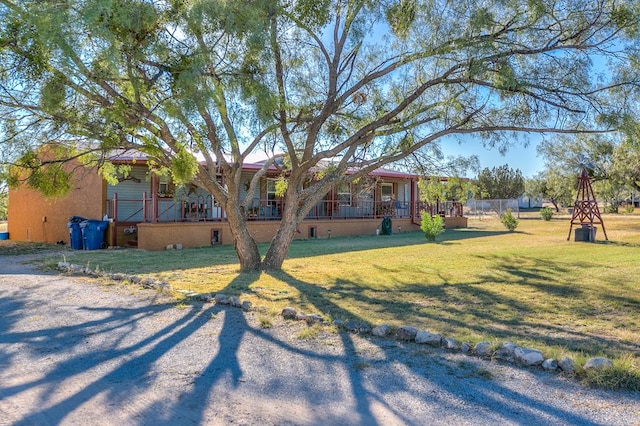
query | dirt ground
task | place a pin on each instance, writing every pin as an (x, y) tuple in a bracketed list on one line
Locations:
[(74, 351)]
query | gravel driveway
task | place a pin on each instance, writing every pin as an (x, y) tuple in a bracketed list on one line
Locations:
[(74, 351)]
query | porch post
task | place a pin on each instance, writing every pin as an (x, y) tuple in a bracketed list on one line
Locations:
[(144, 206), (114, 224), (154, 198), (332, 200), (413, 204), (375, 200)]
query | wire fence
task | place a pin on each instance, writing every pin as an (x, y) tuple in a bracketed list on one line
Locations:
[(491, 208)]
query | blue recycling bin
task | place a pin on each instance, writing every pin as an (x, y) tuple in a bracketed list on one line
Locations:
[(75, 232), (93, 232)]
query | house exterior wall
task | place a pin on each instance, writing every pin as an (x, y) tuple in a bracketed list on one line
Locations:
[(33, 217), (160, 220), (157, 236)]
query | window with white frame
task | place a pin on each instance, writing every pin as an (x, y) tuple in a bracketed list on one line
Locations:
[(165, 188), (344, 194), (271, 192), (386, 191)]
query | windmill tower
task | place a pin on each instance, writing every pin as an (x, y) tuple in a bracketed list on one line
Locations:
[(585, 210)]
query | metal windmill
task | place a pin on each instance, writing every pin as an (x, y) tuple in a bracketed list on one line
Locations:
[(585, 209)]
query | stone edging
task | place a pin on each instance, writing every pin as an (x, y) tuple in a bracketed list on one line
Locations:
[(507, 351)]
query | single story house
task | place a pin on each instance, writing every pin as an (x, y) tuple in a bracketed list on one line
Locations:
[(150, 212)]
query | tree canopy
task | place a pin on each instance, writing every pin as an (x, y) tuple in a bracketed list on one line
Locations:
[(613, 163), (558, 188), (500, 182), (355, 84)]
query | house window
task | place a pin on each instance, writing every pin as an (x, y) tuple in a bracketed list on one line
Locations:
[(165, 188), (271, 192), (386, 191), (344, 194)]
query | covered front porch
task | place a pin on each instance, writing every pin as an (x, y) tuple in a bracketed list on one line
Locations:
[(149, 212)]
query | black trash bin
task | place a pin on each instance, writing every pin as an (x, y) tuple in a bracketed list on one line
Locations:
[(585, 233), (75, 232), (93, 232)]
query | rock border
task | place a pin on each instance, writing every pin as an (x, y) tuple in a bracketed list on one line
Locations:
[(507, 351)]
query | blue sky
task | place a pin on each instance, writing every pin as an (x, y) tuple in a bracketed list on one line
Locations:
[(518, 156)]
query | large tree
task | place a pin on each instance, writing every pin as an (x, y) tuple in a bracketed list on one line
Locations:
[(500, 182), (558, 188), (613, 162), (341, 84)]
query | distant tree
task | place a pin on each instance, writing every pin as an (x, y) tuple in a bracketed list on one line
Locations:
[(625, 167), (453, 189), (558, 188), (567, 155), (613, 166), (501, 182)]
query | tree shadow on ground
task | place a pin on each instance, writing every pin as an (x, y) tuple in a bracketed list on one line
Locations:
[(144, 262), (519, 298), (364, 391), (120, 354)]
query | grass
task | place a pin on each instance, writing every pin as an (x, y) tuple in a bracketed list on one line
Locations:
[(310, 332), (531, 286)]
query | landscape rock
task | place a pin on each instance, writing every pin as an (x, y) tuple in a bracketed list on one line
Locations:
[(550, 364), (528, 356), (566, 364), (352, 326), (597, 363), (63, 266), (449, 343), (178, 246), (309, 318), (381, 330), (246, 305), (506, 352), (76, 269), (465, 347), (365, 329), (117, 277), (357, 327), (406, 332), (134, 279), (221, 299), (289, 313), (234, 301), (483, 349), (424, 337), (148, 282), (206, 297)]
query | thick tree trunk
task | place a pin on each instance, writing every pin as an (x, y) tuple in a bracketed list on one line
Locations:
[(245, 245), (281, 242)]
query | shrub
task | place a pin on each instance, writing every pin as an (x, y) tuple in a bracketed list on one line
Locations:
[(509, 220), (628, 209), (546, 213), (431, 226)]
